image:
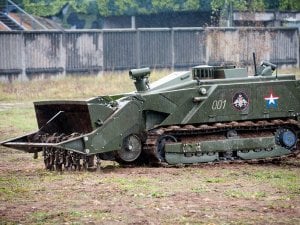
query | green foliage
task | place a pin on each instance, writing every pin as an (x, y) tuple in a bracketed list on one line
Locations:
[(256, 5), (289, 5), (53, 7), (242, 5), (109, 7), (132, 7)]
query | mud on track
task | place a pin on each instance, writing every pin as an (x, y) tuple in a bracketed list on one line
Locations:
[(208, 194)]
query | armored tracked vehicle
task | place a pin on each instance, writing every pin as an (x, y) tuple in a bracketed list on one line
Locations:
[(211, 114)]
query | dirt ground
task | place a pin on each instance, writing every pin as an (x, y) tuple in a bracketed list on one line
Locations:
[(206, 194)]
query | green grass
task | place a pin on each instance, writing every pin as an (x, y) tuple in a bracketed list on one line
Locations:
[(22, 118), (79, 87), (12, 187), (71, 87), (178, 196), (245, 194), (17, 120), (198, 192), (17, 114), (142, 187), (69, 217), (295, 71), (200, 189), (283, 180), (215, 180)]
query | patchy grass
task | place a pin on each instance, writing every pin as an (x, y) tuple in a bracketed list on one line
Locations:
[(17, 114), (17, 120), (71, 87), (295, 71), (220, 194), (282, 180), (69, 217), (79, 87), (142, 187), (208, 194), (13, 188), (215, 180), (245, 195)]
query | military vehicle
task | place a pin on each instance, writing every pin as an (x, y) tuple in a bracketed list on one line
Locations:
[(209, 114)]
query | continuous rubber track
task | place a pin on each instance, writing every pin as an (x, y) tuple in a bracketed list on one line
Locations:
[(208, 131), (59, 159)]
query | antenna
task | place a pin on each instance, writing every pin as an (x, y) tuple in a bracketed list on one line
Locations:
[(254, 62)]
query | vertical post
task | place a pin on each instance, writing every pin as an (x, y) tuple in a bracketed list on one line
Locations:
[(297, 47), (23, 55), (133, 26), (100, 41), (63, 52), (206, 47), (230, 15), (172, 48), (138, 48)]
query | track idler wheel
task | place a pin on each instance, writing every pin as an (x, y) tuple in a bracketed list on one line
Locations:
[(161, 154), (286, 138)]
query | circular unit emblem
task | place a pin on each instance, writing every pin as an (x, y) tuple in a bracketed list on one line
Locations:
[(240, 101)]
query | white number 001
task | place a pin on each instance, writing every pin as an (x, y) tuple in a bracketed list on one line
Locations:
[(218, 104)]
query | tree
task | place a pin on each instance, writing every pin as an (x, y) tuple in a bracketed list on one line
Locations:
[(257, 5), (110, 7), (133, 7), (289, 5), (242, 5)]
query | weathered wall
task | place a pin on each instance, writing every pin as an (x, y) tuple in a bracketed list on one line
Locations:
[(84, 51), (280, 46), (59, 52), (43, 52), (185, 47), (11, 53)]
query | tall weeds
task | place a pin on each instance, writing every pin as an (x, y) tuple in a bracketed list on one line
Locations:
[(71, 86), (78, 87)]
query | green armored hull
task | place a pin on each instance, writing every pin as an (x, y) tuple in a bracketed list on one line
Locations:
[(211, 114)]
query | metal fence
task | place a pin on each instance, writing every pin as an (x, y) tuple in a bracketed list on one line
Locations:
[(50, 52)]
